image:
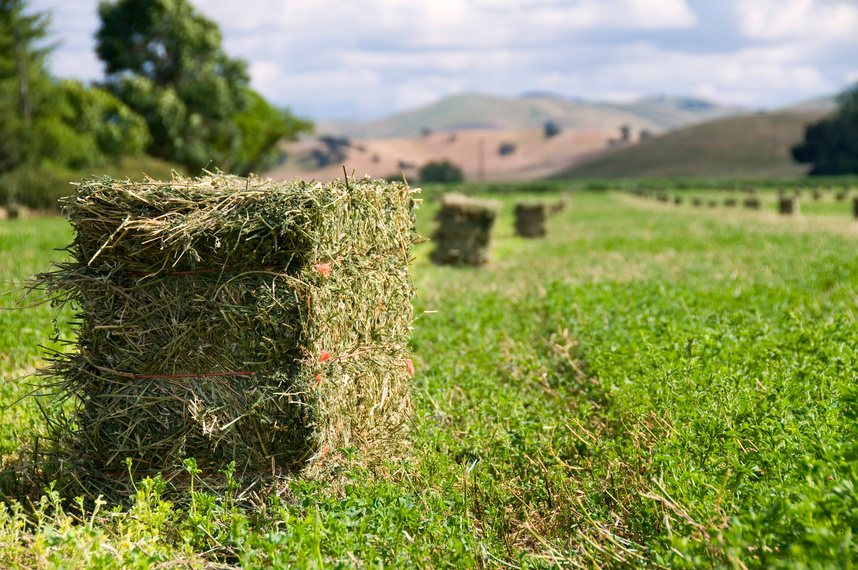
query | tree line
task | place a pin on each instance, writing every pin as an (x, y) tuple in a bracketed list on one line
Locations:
[(169, 91), (831, 145)]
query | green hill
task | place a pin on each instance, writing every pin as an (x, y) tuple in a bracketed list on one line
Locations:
[(747, 146), (459, 112)]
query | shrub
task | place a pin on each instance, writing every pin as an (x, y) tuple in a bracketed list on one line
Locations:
[(443, 172)]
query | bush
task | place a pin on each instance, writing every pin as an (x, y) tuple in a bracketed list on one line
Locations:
[(506, 148), (551, 129), (443, 172)]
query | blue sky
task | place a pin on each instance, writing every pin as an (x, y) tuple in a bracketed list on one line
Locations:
[(363, 59)]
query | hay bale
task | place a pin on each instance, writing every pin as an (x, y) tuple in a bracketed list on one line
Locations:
[(713, 203), (817, 194), (16, 211), (730, 202), (530, 219), (697, 202), (661, 197), (464, 230), (842, 195), (752, 203), (788, 205), (561, 204), (677, 200), (234, 319), (4, 214)]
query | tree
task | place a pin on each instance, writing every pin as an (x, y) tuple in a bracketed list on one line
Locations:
[(443, 172), (552, 129), (164, 60), (831, 145), (22, 79)]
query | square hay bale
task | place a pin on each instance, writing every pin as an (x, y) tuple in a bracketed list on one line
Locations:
[(464, 230), (234, 319), (752, 203), (530, 219), (788, 205)]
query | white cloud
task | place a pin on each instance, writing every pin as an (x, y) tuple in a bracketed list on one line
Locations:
[(822, 20), (367, 58)]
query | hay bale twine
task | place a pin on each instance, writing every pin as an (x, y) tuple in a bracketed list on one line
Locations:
[(464, 230), (788, 205), (530, 219), (752, 203), (234, 319)]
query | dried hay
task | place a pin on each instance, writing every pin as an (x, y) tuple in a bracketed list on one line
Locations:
[(752, 203), (233, 319), (530, 219), (788, 205), (464, 230)]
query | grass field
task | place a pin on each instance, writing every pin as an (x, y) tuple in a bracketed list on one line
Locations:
[(649, 386)]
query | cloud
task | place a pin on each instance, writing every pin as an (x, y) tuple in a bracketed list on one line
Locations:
[(367, 58), (822, 20)]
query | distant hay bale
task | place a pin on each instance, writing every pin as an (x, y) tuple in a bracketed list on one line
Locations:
[(788, 205), (464, 230), (677, 200), (530, 219), (752, 203), (16, 211), (730, 202), (234, 319), (713, 203), (817, 194), (697, 202), (842, 195), (561, 204), (4, 214), (661, 197)]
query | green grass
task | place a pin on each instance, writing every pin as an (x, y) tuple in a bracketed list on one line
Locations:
[(747, 146), (650, 385)]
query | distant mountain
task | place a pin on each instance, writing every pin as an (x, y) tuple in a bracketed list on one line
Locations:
[(826, 104), (757, 145), (470, 111)]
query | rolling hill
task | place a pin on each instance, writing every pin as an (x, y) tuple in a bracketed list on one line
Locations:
[(757, 145), (466, 112)]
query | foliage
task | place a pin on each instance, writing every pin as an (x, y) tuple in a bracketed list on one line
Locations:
[(444, 172), (49, 127), (506, 148), (831, 145), (164, 60), (552, 129)]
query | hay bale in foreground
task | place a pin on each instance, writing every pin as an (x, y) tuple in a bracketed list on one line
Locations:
[(464, 230), (530, 219), (233, 319)]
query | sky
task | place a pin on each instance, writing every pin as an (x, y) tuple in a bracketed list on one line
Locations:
[(365, 59)]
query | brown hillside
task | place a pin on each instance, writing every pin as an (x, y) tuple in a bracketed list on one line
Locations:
[(748, 146), (534, 157)]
